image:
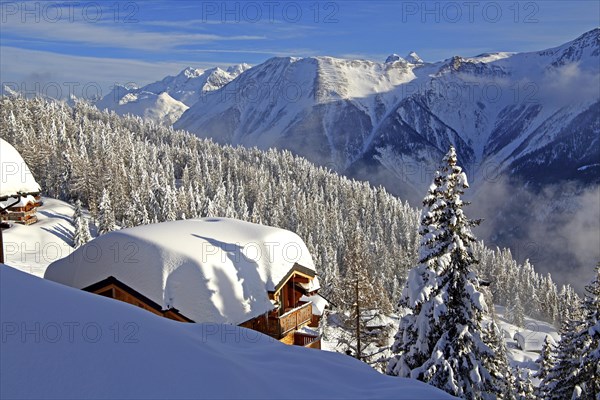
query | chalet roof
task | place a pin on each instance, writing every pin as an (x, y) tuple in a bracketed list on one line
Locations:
[(211, 269), (16, 176), (318, 303), (22, 201), (533, 341), (111, 280)]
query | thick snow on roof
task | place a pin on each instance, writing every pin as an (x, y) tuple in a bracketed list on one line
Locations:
[(63, 343), (211, 269), (533, 341), (16, 176), (318, 303), (311, 286), (20, 202)]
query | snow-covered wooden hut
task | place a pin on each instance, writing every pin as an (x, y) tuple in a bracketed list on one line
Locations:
[(528, 340), (19, 192), (216, 270)]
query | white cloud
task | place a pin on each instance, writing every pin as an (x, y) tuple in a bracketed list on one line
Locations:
[(32, 69), (109, 34)]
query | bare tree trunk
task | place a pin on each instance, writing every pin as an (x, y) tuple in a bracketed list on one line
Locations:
[(358, 351)]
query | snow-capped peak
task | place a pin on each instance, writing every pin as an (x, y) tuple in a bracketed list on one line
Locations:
[(414, 58), (164, 101), (393, 58), (238, 68), (191, 72)]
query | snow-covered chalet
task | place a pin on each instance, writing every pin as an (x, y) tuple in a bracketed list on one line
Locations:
[(19, 192), (215, 270)]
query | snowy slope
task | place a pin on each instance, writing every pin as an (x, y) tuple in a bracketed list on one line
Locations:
[(88, 346), (533, 332), (320, 107), (391, 122), (211, 269), (31, 248), (166, 100), (161, 108)]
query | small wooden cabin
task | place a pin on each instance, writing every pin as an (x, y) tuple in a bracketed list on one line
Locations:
[(284, 322)]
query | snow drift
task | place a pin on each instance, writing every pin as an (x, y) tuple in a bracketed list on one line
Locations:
[(58, 342)]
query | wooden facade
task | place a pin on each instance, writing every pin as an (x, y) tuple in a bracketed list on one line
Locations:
[(115, 289), (23, 214), (283, 323), (290, 314)]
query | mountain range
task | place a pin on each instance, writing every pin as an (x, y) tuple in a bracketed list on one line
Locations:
[(164, 101), (534, 115)]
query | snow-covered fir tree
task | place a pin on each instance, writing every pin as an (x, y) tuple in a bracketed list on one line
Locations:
[(576, 371), (106, 215), (523, 388), (589, 337), (497, 361), (546, 359), (559, 382), (441, 338), (82, 233), (515, 312)]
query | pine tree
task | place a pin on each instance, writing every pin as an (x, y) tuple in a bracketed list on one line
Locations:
[(440, 340), (588, 338), (516, 314), (546, 359), (82, 230), (559, 383), (576, 372), (106, 215), (523, 388), (497, 363)]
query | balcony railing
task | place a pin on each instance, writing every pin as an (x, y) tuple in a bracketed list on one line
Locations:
[(293, 319), (307, 340)]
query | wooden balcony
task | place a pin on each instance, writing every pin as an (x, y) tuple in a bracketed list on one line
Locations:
[(307, 340), (293, 319)]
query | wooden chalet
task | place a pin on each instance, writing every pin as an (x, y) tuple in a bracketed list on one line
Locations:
[(24, 211), (284, 322), (206, 270), (19, 192), (291, 314)]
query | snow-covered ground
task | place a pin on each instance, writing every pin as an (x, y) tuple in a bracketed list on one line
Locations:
[(33, 247), (533, 332), (60, 342)]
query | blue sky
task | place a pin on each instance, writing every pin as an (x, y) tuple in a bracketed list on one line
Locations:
[(61, 45)]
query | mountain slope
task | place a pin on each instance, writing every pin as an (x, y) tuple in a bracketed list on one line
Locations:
[(389, 118)]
